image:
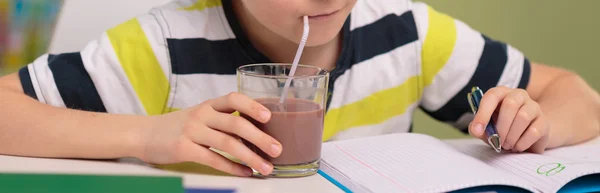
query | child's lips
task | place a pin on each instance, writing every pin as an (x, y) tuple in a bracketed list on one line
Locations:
[(322, 16)]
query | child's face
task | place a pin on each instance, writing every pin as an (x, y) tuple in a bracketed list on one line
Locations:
[(285, 17)]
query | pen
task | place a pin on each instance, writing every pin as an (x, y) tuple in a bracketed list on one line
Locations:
[(493, 138)]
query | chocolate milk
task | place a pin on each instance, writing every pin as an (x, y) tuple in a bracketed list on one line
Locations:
[(299, 129)]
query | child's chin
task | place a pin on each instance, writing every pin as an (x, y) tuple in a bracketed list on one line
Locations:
[(319, 40)]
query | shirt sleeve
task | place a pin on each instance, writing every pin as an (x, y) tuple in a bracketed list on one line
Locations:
[(455, 58), (125, 71)]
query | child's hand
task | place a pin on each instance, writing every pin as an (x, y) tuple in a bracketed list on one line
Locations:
[(187, 135), (520, 121)]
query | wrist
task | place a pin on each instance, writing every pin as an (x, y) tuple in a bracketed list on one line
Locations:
[(138, 136), (147, 137)]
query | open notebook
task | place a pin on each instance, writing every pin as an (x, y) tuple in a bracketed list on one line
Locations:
[(420, 163)]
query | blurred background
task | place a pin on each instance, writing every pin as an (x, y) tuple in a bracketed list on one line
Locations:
[(30, 28), (554, 32), (25, 30)]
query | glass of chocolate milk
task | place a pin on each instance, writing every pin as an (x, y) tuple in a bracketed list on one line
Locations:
[(297, 123)]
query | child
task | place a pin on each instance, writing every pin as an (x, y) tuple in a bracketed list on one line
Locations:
[(161, 87)]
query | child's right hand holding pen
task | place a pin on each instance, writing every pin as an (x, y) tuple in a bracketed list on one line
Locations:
[(520, 122)]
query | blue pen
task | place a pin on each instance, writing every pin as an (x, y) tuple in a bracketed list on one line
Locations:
[(493, 138)]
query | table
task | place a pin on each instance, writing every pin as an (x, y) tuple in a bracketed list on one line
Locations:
[(194, 176)]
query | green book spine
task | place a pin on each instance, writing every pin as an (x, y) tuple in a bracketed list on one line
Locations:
[(59, 183)]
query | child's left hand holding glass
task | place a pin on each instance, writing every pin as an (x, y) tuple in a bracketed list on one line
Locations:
[(520, 122)]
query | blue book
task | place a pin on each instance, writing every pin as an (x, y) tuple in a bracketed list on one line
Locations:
[(420, 163), (209, 190)]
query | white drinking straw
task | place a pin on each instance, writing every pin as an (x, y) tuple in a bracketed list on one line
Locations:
[(296, 60)]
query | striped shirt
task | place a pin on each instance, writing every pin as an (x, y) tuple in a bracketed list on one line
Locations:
[(397, 56)]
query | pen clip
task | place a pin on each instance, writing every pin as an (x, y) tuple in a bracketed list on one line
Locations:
[(472, 103), (473, 97)]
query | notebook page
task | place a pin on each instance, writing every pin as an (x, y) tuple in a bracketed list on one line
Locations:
[(587, 152), (548, 172), (406, 163)]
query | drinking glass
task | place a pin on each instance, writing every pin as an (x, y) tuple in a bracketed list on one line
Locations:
[(296, 121)]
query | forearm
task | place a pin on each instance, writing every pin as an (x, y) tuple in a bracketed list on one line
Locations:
[(573, 110), (29, 128)]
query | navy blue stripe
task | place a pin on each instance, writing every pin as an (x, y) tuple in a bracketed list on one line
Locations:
[(74, 83), (491, 65), (382, 36), (26, 83), (202, 56), (526, 75)]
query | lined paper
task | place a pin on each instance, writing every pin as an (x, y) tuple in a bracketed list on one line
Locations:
[(407, 163), (587, 152), (547, 172)]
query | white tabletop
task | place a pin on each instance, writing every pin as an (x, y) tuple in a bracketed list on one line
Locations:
[(194, 176), (315, 183)]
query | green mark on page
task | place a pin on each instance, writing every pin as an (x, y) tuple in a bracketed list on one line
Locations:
[(63, 183), (551, 169)]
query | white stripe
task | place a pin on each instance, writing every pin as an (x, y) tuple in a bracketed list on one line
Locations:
[(397, 124), (45, 80), (156, 39), (368, 11), (176, 4), (458, 70), (384, 71), (104, 68), (210, 24), (421, 14), (36, 85), (193, 89), (513, 71)]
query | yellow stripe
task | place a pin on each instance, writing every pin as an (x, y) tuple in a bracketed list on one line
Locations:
[(202, 4), (140, 65), (373, 109), (170, 110), (439, 44)]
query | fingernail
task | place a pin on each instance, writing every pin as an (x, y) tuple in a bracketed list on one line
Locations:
[(248, 172), (264, 115), (478, 129), (266, 168), (275, 149)]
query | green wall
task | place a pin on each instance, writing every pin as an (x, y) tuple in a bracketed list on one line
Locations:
[(558, 33)]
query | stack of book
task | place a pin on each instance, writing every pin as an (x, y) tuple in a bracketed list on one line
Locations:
[(25, 31)]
